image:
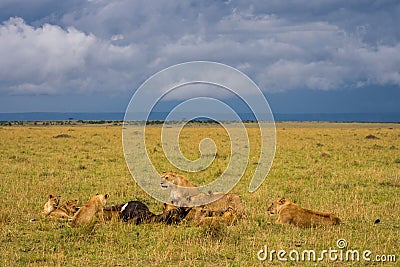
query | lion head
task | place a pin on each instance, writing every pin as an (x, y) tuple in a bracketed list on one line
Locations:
[(275, 205), (171, 179), (51, 204), (181, 189), (54, 200)]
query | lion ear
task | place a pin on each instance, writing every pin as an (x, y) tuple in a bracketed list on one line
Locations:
[(282, 200), (50, 196), (106, 196)]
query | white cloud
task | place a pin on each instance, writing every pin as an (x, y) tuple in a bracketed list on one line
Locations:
[(285, 75), (372, 64), (50, 60)]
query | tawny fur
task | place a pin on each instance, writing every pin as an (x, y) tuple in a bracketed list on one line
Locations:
[(51, 204), (203, 198), (112, 212), (290, 213), (66, 210), (91, 211), (181, 188), (207, 217), (221, 207)]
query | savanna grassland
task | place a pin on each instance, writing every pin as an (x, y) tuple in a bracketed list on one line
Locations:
[(321, 166)]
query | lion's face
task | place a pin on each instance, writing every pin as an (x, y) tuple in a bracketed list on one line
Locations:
[(273, 207), (103, 199), (169, 179), (98, 200), (54, 201)]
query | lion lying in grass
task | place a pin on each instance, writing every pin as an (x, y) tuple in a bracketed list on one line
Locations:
[(66, 210), (53, 210), (51, 204), (290, 213), (220, 207)]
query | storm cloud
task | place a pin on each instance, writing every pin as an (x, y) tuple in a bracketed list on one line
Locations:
[(113, 46)]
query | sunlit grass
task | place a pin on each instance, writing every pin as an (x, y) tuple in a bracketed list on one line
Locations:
[(327, 167)]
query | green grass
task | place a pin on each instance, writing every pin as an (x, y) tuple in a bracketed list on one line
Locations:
[(321, 166)]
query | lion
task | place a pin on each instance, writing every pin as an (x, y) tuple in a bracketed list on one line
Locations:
[(90, 211), (66, 210), (181, 188), (221, 206), (204, 198), (209, 217), (51, 204), (290, 213), (229, 208)]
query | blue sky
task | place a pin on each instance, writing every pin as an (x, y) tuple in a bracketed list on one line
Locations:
[(306, 56)]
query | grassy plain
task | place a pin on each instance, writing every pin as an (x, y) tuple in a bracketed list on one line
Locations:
[(322, 166)]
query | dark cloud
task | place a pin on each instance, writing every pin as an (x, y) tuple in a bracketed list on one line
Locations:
[(372, 20), (52, 47)]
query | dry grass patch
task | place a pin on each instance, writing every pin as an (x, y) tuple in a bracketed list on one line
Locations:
[(321, 166)]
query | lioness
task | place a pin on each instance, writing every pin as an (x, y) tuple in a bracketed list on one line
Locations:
[(203, 198), (224, 207), (66, 210), (51, 204), (90, 211), (290, 213), (181, 188)]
